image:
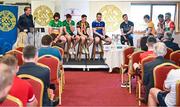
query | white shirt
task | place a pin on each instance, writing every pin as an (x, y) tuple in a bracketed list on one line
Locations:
[(170, 83)]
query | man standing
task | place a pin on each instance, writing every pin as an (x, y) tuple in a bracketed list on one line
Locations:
[(69, 34), (25, 24), (127, 28), (83, 30)]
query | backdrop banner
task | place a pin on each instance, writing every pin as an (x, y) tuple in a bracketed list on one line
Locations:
[(8, 27)]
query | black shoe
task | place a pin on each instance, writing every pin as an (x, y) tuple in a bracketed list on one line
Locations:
[(143, 100), (55, 102)]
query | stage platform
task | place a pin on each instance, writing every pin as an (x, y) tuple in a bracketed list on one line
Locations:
[(85, 65)]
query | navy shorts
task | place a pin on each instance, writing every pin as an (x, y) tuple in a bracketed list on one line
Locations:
[(161, 98)]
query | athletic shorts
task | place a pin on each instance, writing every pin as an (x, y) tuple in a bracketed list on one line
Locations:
[(95, 35), (161, 98)]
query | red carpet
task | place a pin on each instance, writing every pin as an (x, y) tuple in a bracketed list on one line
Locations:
[(95, 89)]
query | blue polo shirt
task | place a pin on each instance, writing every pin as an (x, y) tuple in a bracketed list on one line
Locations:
[(49, 51), (99, 26)]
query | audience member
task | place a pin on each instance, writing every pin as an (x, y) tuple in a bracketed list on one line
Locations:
[(6, 81), (30, 67), (25, 94), (46, 48), (166, 97), (160, 51), (127, 28), (169, 43)]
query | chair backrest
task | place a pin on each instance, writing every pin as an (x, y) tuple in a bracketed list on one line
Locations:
[(144, 61), (175, 56), (12, 101), (178, 93), (169, 51), (53, 63), (126, 53), (60, 50), (37, 85), (18, 55), (160, 73), (20, 49)]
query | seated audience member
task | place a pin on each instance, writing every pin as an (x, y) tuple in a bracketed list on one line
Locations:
[(169, 43), (98, 27), (30, 67), (20, 89), (161, 26), (160, 51), (166, 97), (150, 30), (6, 81), (56, 27), (69, 28), (127, 28), (150, 42), (169, 24), (83, 30), (46, 48)]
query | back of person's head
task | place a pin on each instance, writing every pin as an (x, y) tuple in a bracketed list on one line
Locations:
[(11, 61), (167, 36), (68, 16), (53, 36), (6, 80), (29, 52), (151, 41), (147, 17), (160, 49), (46, 40)]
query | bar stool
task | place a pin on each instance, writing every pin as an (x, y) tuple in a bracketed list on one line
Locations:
[(80, 53), (94, 52)]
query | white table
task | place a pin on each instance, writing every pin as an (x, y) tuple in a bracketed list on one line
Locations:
[(113, 56)]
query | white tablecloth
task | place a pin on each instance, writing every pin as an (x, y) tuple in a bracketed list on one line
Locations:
[(113, 56)]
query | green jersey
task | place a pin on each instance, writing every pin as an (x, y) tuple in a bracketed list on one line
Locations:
[(55, 24), (67, 25)]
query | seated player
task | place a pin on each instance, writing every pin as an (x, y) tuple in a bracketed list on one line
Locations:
[(166, 97), (127, 28), (83, 30), (169, 24), (70, 36), (56, 27), (98, 27), (20, 88), (150, 30), (161, 26)]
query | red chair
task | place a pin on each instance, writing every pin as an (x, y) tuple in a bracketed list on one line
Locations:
[(134, 58), (160, 73), (139, 82), (55, 67), (175, 56), (60, 50), (12, 101), (20, 49), (18, 55), (178, 93), (126, 53), (169, 51), (38, 87)]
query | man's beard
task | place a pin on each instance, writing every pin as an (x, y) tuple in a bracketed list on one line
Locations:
[(2, 99)]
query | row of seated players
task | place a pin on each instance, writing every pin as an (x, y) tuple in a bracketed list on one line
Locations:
[(11, 84)]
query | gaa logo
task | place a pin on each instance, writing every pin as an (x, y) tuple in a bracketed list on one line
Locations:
[(8, 21)]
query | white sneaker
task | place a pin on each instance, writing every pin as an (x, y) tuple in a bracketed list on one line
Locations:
[(70, 51), (74, 51)]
